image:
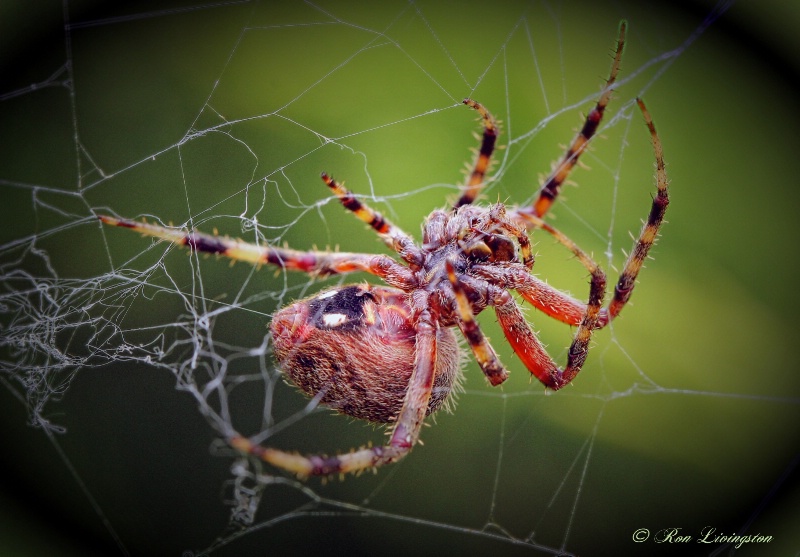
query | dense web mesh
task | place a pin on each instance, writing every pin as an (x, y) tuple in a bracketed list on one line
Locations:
[(134, 359)]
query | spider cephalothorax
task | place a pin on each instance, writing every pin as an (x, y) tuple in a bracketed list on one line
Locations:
[(388, 354), (457, 243)]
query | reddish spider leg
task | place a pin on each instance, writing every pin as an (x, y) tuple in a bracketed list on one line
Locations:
[(565, 308), (523, 340)]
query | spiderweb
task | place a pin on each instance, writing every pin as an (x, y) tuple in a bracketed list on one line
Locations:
[(130, 359)]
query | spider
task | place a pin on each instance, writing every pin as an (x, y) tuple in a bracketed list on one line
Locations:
[(389, 354)]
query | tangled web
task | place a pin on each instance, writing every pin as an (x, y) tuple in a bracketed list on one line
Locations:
[(136, 358)]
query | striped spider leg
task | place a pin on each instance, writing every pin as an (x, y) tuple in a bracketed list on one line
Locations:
[(551, 187), (375, 353), (552, 184), (560, 306)]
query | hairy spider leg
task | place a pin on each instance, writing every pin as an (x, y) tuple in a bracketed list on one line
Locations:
[(475, 182), (518, 332), (392, 235), (650, 229), (312, 262), (552, 185), (483, 351), (532, 353), (567, 309), (544, 297), (550, 300), (404, 434), (521, 234), (547, 372)]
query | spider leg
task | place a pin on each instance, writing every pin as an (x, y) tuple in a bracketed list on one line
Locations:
[(519, 334), (532, 353), (311, 262), (475, 183), (553, 302), (483, 351), (649, 232), (544, 297), (549, 191), (404, 435), (566, 308), (392, 235)]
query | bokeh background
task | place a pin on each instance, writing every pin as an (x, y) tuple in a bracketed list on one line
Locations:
[(686, 415)]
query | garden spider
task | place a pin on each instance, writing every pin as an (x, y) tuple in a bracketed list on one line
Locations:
[(388, 354)]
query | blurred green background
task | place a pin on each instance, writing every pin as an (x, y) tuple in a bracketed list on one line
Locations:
[(685, 416)]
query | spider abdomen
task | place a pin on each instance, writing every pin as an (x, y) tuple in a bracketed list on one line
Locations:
[(354, 347)]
